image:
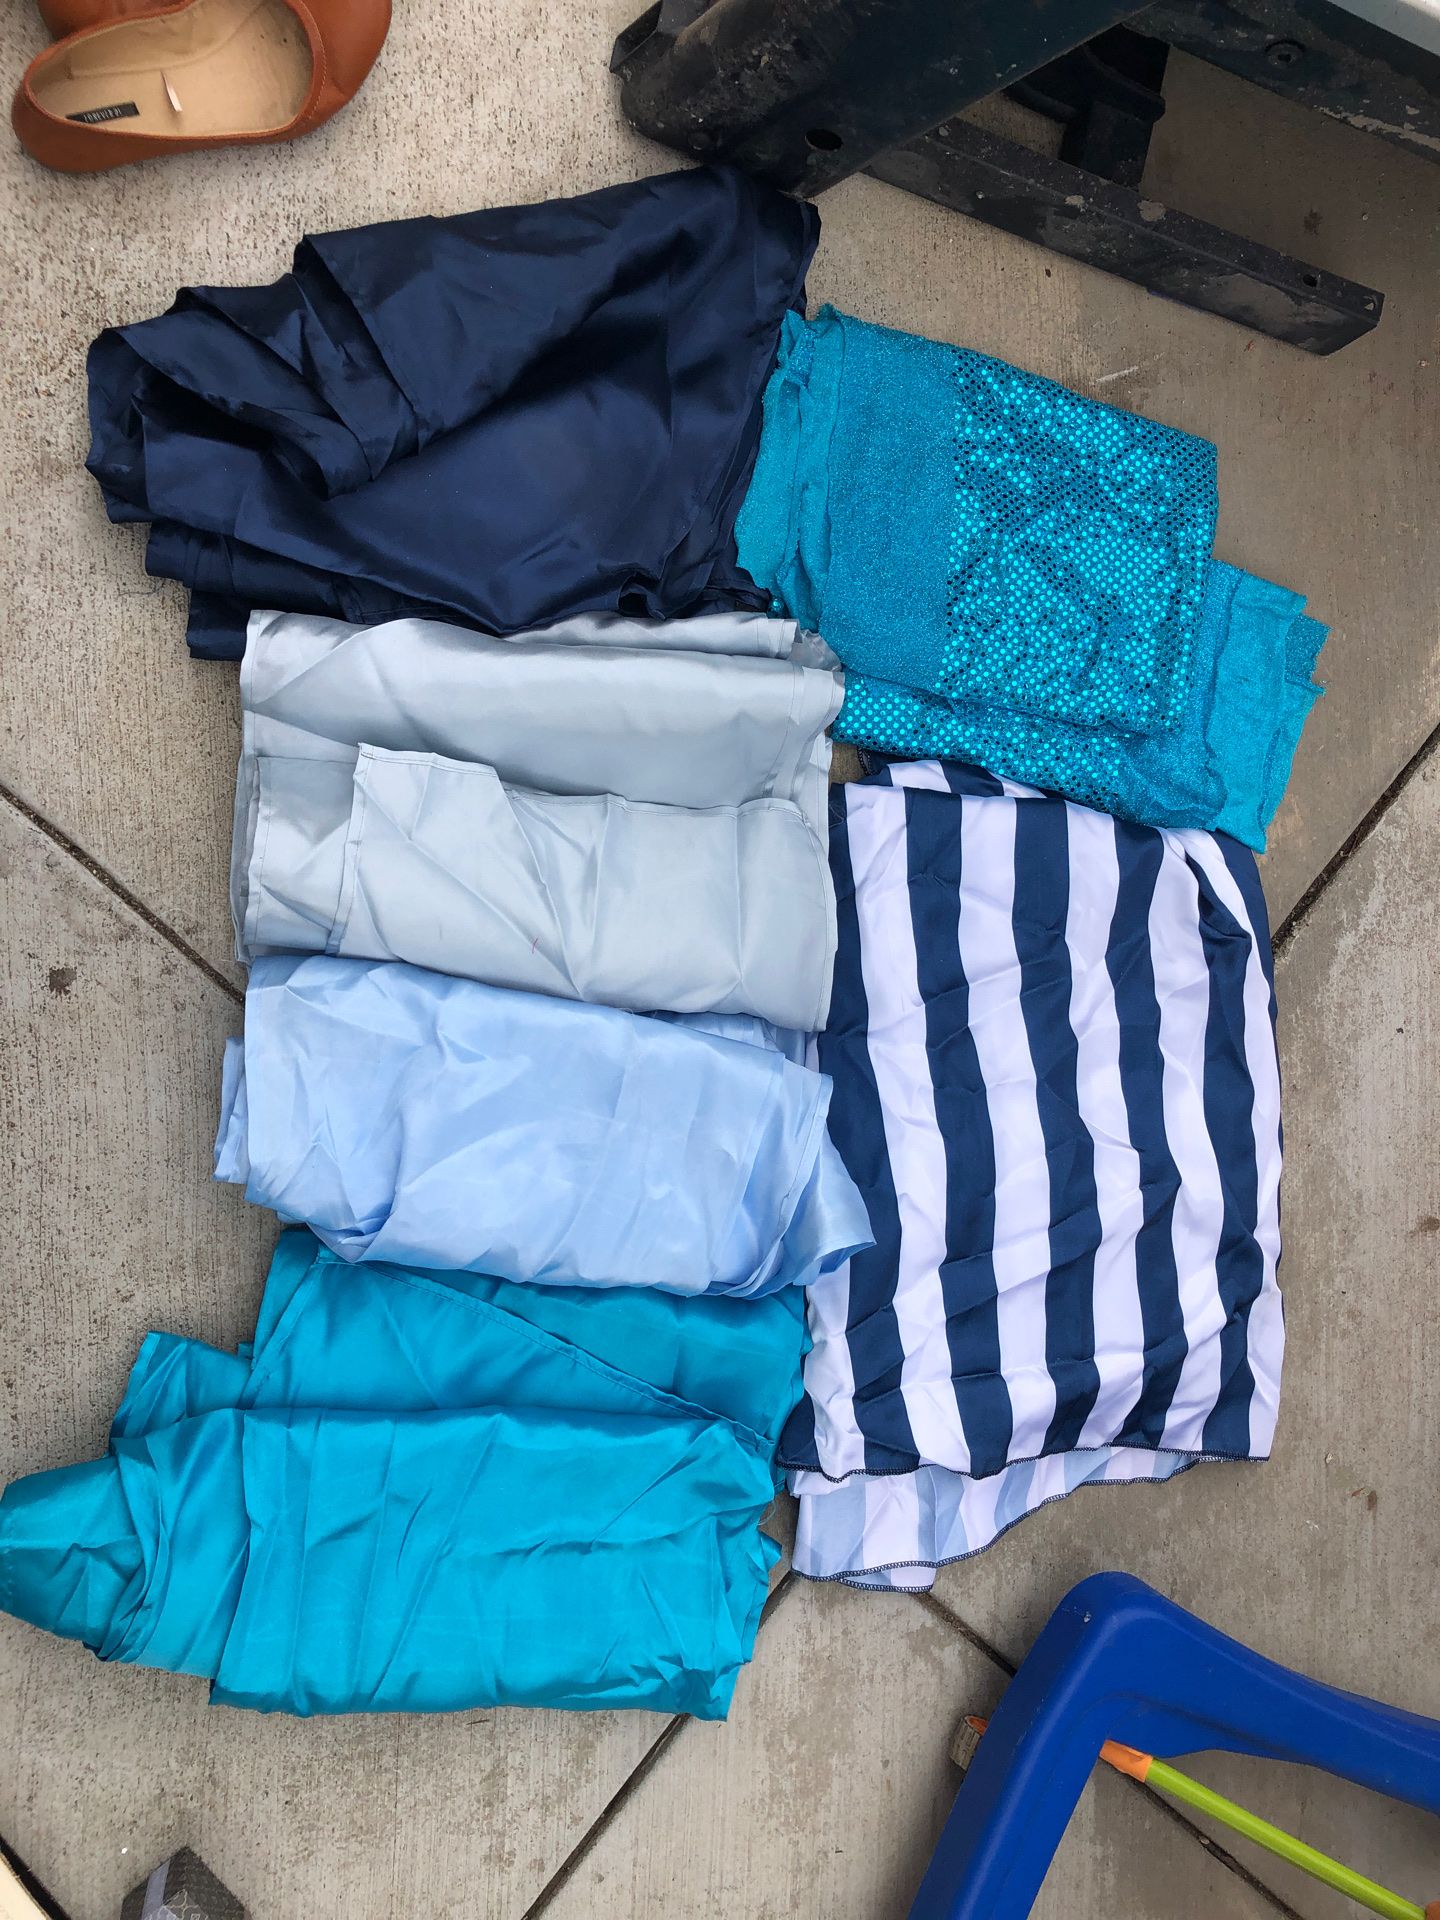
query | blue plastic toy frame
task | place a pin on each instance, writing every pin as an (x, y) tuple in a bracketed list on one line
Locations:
[(1117, 1661)]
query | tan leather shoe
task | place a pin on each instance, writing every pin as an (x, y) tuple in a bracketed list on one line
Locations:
[(171, 78)]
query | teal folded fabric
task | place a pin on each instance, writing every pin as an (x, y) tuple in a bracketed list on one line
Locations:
[(418, 1491), (1224, 766), (1019, 577)]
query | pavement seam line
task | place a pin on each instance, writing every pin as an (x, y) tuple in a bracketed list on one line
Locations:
[(967, 1632), (588, 1840), (632, 1783), (1202, 1839), (1352, 843), (112, 884)]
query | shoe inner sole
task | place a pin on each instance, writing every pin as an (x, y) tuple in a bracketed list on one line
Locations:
[(217, 67)]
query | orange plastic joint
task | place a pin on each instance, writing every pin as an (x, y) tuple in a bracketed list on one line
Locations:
[(1127, 1759)]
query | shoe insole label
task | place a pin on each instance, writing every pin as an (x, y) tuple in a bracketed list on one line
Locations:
[(93, 116)]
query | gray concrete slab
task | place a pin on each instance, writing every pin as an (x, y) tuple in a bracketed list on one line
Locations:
[(1325, 1557), (822, 1797), (108, 1061), (824, 1793)]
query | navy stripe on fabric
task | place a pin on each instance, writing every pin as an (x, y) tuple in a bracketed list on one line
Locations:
[(973, 781), (967, 1278), (1139, 851), (1041, 907), (857, 1127), (1229, 1097), (1246, 875), (1245, 872), (797, 1446)]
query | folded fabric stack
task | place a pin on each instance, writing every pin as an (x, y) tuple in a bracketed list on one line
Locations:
[(1056, 1084), (1019, 577), (538, 919), (563, 812), (418, 1491), (409, 1117), (530, 869), (502, 418)]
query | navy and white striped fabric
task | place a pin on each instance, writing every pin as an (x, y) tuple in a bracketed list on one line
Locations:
[(1052, 1045)]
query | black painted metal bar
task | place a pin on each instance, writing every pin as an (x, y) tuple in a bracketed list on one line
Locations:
[(806, 92), (1111, 227), (1318, 55)]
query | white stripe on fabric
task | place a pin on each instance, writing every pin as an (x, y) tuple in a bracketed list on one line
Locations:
[(804, 1480), (815, 1540), (892, 1519), (929, 775), (1182, 989), (829, 1366), (1022, 1180), (830, 1374), (1266, 1332), (893, 1531), (1094, 1020), (899, 1058)]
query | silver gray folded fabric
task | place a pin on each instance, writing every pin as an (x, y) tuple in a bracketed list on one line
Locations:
[(636, 824)]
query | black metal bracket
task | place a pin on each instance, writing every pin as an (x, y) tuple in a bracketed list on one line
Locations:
[(1107, 95), (806, 92), (1112, 227), (1318, 55)]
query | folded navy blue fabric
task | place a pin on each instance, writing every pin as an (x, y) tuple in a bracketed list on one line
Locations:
[(506, 417)]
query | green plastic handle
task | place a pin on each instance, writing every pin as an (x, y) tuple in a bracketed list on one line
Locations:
[(1309, 1859)]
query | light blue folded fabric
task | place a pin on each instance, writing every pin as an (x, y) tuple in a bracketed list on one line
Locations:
[(1019, 577), (607, 810), (412, 1117), (410, 856), (418, 1491)]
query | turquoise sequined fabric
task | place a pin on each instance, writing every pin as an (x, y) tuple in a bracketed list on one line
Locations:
[(1078, 542), (1020, 577), (1223, 766)]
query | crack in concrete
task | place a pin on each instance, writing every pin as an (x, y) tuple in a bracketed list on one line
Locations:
[(117, 887), (1351, 845), (633, 1781)]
